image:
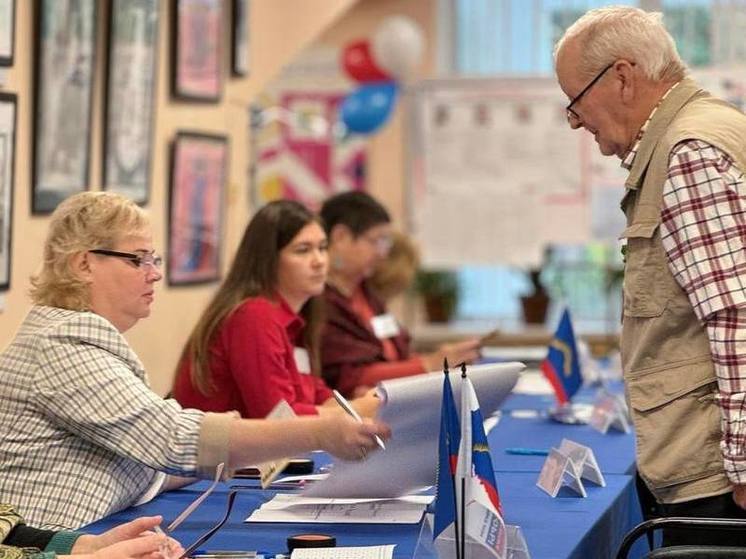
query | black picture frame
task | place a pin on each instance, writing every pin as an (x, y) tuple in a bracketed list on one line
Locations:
[(199, 173), (7, 31), (65, 53), (240, 54), (131, 82), (8, 123), (197, 50)]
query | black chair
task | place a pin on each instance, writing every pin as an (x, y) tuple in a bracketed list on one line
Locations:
[(686, 551)]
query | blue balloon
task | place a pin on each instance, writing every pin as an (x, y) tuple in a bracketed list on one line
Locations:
[(368, 107)]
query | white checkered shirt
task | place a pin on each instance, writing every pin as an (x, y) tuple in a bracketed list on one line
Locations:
[(81, 433)]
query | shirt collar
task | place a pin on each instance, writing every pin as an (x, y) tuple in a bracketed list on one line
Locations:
[(629, 157), (290, 320)]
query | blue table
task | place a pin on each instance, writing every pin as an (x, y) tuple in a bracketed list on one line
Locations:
[(554, 528), (615, 451)]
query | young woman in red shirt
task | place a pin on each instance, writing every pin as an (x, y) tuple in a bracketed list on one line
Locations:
[(258, 341)]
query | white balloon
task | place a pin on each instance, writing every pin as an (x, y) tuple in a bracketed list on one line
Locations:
[(397, 46)]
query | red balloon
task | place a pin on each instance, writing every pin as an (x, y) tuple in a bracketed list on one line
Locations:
[(357, 61)]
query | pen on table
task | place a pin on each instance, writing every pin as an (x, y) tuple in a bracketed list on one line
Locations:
[(527, 451), (356, 416)]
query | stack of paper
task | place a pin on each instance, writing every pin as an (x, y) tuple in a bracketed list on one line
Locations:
[(366, 552), (411, 407), (287, 507)]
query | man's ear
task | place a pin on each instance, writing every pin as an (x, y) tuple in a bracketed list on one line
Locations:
[(625, 73), (80, 266), (339, 233)]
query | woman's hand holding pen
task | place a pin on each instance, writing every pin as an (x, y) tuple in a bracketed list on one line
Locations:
[(342, 436)]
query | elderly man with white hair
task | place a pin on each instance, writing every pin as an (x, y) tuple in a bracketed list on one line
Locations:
[(684, 320)]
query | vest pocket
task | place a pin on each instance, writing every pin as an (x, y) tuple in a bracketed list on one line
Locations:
[(644, 288), (677, 423)]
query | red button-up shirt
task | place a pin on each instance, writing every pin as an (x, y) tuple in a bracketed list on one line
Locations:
[(252, 364)]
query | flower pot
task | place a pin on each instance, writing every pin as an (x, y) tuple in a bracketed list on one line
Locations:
[(535, 307)]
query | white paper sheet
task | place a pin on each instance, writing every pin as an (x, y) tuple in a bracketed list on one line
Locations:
[(364, 552), (285, 507), (411, 407)]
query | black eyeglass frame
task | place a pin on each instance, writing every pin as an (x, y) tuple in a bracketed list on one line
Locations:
[(572, 114), (137, 259)]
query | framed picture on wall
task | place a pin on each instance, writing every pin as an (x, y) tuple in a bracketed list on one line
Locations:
[(199, 167), (240, 38), (7, 31), (7, 175), (198, 38), (130, 99), (65, 63)]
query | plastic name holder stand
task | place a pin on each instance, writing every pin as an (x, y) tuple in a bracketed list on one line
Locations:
[(610, 411), (584, 460), (567, 466), (558, 471)]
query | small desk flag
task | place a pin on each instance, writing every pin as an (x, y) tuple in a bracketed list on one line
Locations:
[(482, 522), (561, 365), (445, 500)]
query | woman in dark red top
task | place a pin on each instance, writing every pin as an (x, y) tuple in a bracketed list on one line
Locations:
[(361, 343), (257, 342)]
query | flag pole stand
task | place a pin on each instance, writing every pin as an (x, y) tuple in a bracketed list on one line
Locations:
[(463, 478), (572, 414), (453, 482)]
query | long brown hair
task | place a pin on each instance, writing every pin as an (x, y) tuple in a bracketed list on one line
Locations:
[(254, 273)]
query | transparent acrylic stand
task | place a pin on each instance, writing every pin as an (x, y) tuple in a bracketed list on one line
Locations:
[(445, 546)]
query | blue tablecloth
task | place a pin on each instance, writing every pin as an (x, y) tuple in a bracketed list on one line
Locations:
[(569, 527)]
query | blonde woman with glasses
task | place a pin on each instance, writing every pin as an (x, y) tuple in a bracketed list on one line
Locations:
[(81, 434)]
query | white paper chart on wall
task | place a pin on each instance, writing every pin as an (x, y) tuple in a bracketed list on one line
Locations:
[(496, 173)]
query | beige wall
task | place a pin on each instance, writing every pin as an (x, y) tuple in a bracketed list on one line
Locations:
[(278, 30)]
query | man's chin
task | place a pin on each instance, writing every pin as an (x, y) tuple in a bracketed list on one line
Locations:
[(606, 149)]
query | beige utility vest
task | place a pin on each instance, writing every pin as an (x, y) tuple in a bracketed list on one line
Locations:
[(668, 370)]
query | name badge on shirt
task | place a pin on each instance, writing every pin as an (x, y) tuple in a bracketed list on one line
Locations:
[(384, 326), (302, 362)]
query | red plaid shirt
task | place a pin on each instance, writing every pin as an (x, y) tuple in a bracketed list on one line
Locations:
[(703, 229)]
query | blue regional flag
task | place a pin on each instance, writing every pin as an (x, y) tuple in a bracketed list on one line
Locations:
[(450, 438), (561, 366)]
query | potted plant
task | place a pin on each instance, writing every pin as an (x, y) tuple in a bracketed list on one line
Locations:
[(535, 304), (439, 291)]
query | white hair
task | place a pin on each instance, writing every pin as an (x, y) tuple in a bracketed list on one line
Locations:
[(607, 34)]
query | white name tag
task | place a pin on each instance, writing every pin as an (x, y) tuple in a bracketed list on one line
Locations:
[(384, 326), (302, 361)]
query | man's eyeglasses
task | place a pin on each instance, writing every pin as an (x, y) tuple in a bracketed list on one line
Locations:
[(139, 260), (572, 115), (382, 243)]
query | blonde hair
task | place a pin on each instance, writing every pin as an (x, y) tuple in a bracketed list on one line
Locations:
[(83, 222), (396, 272), (607, 34)]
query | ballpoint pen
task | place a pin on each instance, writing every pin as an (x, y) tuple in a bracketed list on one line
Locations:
[(356, 416), (527, 451)]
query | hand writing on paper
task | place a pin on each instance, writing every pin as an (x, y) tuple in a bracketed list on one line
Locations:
[(458, 352), (344, 437)]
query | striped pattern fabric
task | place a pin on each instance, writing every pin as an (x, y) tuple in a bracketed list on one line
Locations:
[(81, 433)]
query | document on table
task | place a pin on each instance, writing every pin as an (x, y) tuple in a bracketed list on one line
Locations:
[(363, 552), (411, 407), (286, 507)]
